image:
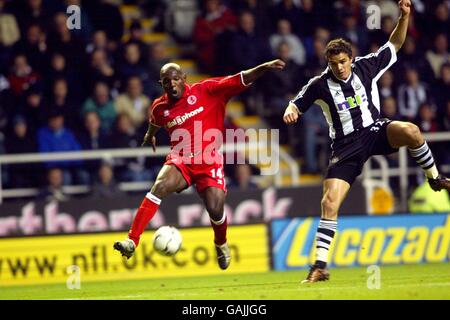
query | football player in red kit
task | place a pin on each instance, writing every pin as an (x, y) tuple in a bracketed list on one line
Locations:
[(194, 117)]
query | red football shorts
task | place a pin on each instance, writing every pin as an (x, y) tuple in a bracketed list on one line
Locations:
[(202, 175)]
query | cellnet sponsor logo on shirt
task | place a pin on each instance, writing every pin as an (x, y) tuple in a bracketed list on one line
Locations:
[(179, 120)]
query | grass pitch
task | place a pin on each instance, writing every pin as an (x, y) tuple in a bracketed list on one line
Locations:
[(427, 281)]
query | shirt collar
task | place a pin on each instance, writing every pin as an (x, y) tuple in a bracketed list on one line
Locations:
[(335, 79)]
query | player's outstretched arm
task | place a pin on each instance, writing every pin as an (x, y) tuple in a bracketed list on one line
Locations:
[(398, 36), (251, 75), (291, 114), (149, 138)]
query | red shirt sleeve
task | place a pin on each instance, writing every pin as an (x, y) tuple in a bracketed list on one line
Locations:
[(155, 113), (226, 86)]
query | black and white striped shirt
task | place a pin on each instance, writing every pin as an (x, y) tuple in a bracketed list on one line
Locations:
[(352, 104)]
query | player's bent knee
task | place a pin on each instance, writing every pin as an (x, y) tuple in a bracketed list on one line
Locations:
[(215, 211), (414, 135), (160, 189), (329, 208)]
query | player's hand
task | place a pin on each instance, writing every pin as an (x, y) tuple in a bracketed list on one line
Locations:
[(405, 7), (149, 141), (291, 114), (276, 64)]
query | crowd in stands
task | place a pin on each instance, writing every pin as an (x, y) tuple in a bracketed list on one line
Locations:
[(90, 88)]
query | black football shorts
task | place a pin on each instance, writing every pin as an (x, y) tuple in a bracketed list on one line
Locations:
[(351, 152)]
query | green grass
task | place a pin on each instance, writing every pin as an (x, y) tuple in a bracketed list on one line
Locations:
[(427, 281)]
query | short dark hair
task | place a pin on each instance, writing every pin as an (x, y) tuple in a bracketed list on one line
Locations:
[(338, 46)]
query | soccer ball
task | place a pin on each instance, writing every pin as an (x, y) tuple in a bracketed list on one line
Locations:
[(167, 240)]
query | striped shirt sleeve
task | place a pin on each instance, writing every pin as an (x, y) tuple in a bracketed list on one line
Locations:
[(307, 95), (375, 64)]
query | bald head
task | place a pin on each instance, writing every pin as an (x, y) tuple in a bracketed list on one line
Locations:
[(173, 80)]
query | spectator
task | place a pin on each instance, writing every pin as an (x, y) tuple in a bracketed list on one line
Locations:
[(105, 185), (351, 31), (137, 37), (105, 15), (411, 95), (259, 9), (125, 136), (280, 87), (216, 20), (386, 85), (442, 88), (313, 15), (440, 18), (22, 75), (317, 62), (284, 34), (248, 48), (101, 103), (9, 35), (32, 106), (446, 118), (9, 30), (133, 67), (410, 56), (99, 41), (426, 118), (7, 105), (18, 142), (54, 189), (158, 58), (33, 12), (91, 136), (289, 10), (61, 39), (389, 109), (60, 69), (379, 36), (55, 137), (242, 178), (34, 47), (445, 125), (100, 70), (133, 102), (61, 101), (439, 54)]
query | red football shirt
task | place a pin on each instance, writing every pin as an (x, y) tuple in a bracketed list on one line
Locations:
[(197, 118)]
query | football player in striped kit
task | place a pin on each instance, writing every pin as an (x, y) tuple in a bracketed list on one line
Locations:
[(348, 95)]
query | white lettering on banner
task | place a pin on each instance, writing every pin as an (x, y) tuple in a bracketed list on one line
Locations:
[(30, 223), (246, 210), (120, 219), (52, 221), (8, 226), (157, 221), (56, 222), (93, 221), (274, 208), (187, 214)]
